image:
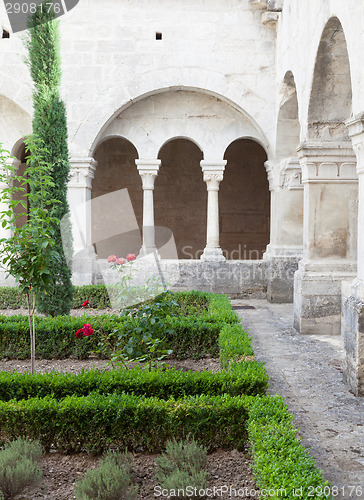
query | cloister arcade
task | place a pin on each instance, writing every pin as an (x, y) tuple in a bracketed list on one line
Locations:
[(256, 168)]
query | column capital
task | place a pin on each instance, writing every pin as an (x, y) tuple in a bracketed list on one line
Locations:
[(327, 162), (148, 171), (355, 126), (82, 172), (284, 174), (213, 173)]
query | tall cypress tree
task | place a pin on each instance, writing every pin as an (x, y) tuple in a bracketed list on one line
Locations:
[(50, 125)]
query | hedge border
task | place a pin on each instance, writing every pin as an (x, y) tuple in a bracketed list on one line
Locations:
[(279, 458)]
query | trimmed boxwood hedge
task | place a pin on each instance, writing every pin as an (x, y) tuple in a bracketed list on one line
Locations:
[(249, 378), (55, 337), (97, 421)]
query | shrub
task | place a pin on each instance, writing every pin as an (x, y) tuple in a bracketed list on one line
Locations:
[(183, 466), (98, 422), (97, 295), (18, 467), (110, 481), (245, 378), (11, 298), (186, 336), (56, 336), (280, 461), (235, 345)]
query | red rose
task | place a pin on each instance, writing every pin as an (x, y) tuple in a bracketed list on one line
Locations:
[(79, 333), (87, 330), (86, 303)]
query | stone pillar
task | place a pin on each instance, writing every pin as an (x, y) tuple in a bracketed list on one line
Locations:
[(286, 231), (213, 174), (148, 171), (353, 292), (6, 232), (79, 199), (329, 235)]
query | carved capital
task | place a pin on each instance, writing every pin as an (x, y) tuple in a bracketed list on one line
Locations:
[(213, 173), (355, 127), (148, 171), (284, 174), (82, 172)]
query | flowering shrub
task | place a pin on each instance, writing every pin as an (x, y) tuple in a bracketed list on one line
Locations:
[(124, 293), (86, 331)]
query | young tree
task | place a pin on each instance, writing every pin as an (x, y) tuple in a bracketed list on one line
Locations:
[(50, 125), (29, 254)]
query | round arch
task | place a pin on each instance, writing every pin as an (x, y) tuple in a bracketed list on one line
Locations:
[(115, 170), (180, 197), (331, 92), (208, 121), (84, 138), (244, 201), (288, 125)]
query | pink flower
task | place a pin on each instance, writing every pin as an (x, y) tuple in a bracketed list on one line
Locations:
[(111, 258), (79, 333), (120, 260), (130, 257), (87, 330)]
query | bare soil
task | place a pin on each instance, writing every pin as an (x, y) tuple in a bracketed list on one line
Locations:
[(227, 468)]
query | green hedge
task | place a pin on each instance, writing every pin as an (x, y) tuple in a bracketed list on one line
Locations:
[(280, 461), (234, 343), (97, 421), (55, 337), (249, 379), (190, 302)]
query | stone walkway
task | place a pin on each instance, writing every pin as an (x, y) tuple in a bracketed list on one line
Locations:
[(307, 371)]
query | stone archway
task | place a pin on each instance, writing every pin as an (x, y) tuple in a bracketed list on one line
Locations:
[(331, 94), (115, 170), (244, 202), (180, 197), (288, 127)]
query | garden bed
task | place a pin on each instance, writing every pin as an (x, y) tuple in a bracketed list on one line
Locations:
[(60, 472), (224, 408)]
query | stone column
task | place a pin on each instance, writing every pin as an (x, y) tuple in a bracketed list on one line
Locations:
[(329, 235), (286, 230), (79, 199), (148, 171), (6, 232), (213, 174), (353, 292)]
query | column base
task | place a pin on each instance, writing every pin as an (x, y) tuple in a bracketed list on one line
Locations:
[(352, 321), (281, 267), (317, 296), (213, 255), (149, 251)]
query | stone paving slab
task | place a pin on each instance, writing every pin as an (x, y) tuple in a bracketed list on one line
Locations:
[(307, 371)]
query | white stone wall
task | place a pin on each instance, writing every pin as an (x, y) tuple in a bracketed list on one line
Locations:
[(111, 58)]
